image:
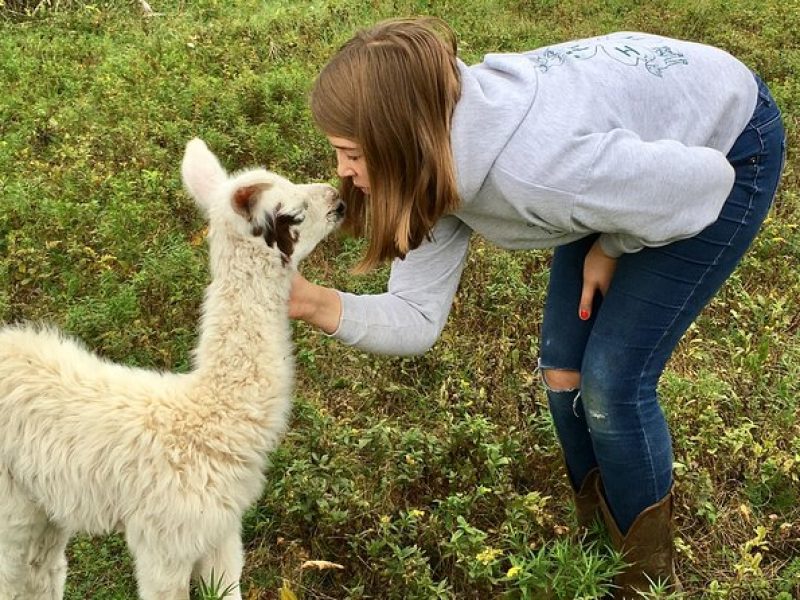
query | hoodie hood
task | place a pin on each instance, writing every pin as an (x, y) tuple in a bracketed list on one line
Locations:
[(496, 95)]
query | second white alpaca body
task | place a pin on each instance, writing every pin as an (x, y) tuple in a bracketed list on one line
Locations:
[(173, 460)]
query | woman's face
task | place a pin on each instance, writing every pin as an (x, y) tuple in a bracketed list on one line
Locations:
[(350, 162)]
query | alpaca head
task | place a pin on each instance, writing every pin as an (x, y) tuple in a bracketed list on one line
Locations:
[(268, 210)]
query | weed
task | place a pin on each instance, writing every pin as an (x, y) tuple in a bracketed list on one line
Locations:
[(212, 589)]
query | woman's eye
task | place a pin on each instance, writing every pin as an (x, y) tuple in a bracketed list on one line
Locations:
[(353, 158)]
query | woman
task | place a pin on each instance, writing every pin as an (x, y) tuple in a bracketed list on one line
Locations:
[(648, 163)]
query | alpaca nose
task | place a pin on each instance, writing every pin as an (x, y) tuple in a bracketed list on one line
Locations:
[(340, 209), (337, 204), (331, 194)]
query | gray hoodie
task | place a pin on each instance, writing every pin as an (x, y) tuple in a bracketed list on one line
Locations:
[(623, 135)]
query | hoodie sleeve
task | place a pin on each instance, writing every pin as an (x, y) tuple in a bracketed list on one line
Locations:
[(650, 193), (409, 317)]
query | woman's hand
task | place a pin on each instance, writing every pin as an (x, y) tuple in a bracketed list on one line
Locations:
[(598, 270), (316, 305)]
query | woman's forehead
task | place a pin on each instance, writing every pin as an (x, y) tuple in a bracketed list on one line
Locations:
[(341, 143)]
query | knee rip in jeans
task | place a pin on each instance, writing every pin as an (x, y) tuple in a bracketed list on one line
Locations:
[(568, 381), (561, 380)]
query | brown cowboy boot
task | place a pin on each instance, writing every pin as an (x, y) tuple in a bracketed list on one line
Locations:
[(587, 504), (648, 548)]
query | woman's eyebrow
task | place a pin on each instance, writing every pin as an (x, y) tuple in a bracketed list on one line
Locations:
[(345, 147)]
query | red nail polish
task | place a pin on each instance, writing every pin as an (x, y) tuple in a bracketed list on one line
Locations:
[(584, 315)]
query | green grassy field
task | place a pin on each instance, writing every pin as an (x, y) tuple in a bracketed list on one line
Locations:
[(432, 477)]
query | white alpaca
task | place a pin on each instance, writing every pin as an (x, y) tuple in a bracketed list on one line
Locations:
[(173, 460)]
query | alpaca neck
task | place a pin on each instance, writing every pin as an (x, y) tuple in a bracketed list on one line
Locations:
[(245, 331)]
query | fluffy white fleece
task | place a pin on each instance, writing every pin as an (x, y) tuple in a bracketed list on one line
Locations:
[(173, 460)]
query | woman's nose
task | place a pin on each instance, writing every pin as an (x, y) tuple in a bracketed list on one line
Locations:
[(342, 169)]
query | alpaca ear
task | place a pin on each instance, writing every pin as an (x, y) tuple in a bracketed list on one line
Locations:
[(245, 198), (202, 173)]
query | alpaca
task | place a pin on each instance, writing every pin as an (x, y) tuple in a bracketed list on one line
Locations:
[(172, 460)]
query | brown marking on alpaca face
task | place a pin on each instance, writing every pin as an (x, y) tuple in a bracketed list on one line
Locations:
[(245, 198), (279, 233)]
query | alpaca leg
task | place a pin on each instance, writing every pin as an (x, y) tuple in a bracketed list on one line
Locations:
[(160, 574), (21, 524), (225, 563), (159, 578), (47, 565)]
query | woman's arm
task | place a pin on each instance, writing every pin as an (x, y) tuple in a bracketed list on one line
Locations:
[(316, 305), (408, 318), (642, 193)]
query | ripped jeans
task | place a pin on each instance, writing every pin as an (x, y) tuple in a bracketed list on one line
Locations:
[(614, 421)]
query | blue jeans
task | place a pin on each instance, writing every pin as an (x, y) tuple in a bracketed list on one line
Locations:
[(614, 420)]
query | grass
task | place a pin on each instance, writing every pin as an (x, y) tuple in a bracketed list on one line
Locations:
[(431, 477)]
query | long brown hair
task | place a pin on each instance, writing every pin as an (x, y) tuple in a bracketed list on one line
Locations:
[(392, 89)]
